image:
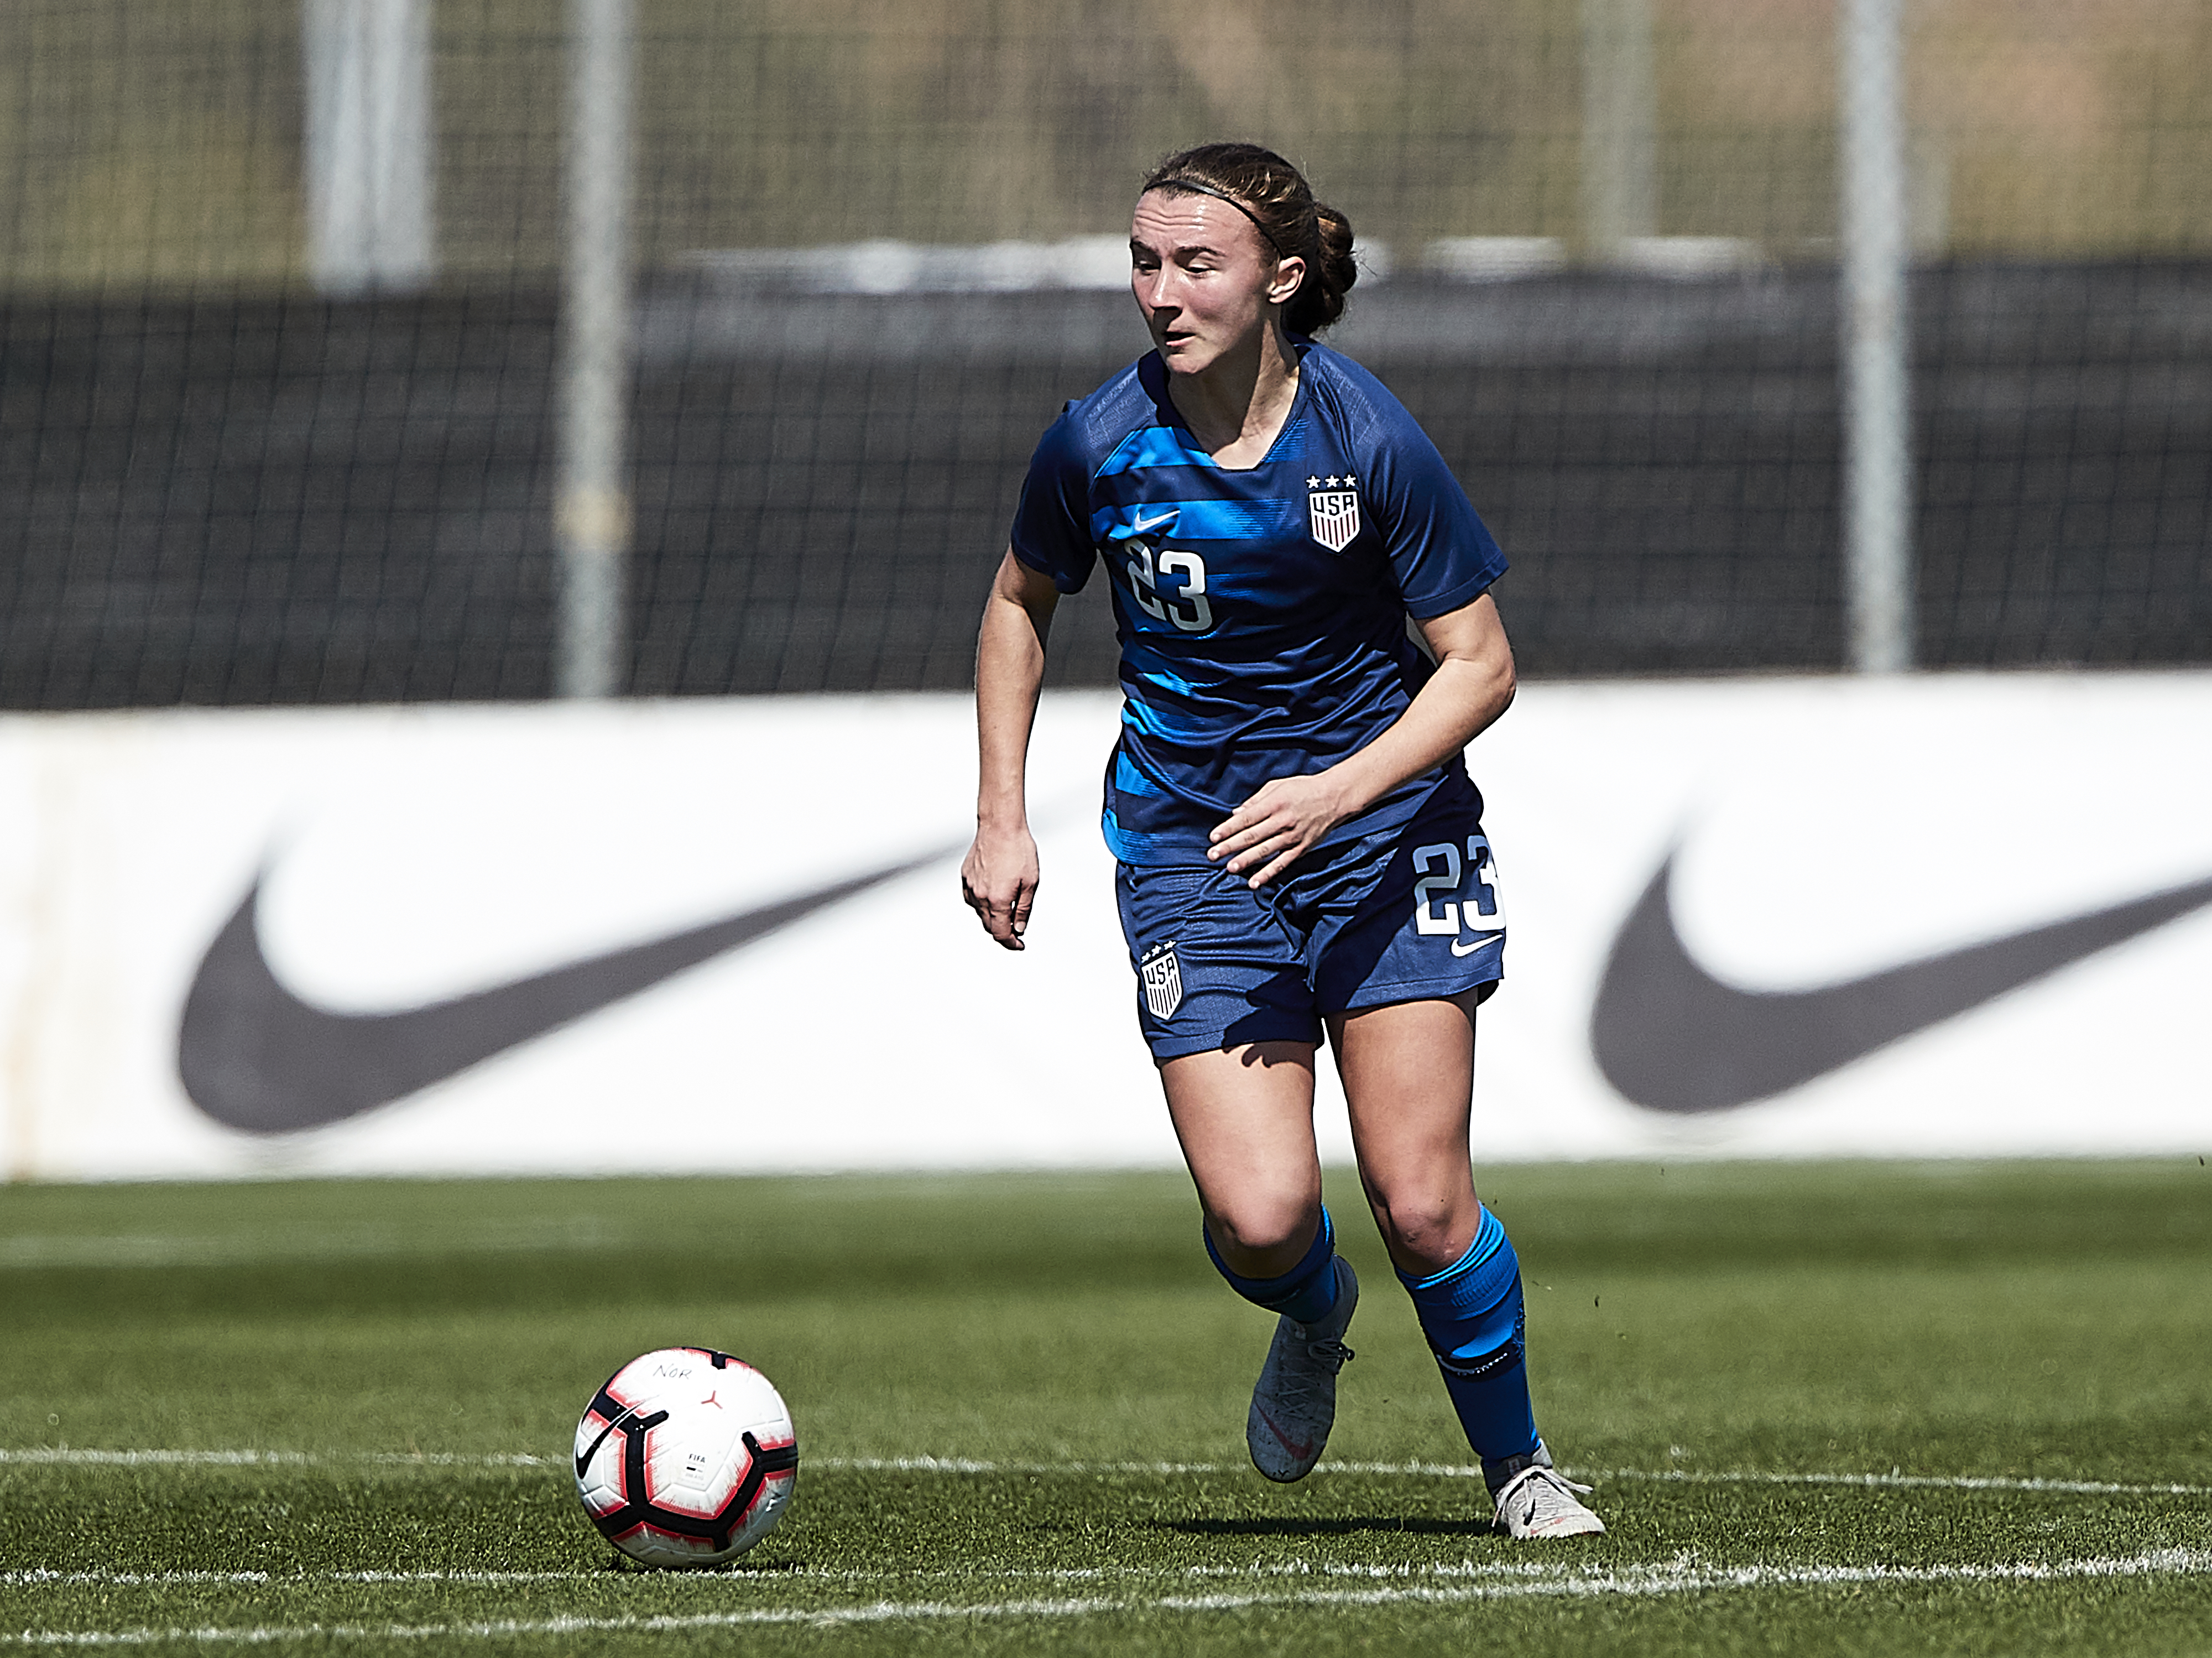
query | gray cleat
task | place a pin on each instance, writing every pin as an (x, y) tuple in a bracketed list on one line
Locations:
[(1294, 1401)]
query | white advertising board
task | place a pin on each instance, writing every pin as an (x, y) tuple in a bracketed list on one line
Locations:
[(1933, 916)]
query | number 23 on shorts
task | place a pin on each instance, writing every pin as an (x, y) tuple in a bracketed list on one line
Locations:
[(1472, 877)]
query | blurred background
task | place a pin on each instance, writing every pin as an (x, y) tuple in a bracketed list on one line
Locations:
[(283, 372)]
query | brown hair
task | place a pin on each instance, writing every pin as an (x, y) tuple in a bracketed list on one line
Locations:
[(1280, 204)]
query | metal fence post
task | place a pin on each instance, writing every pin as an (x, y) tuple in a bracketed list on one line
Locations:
[(1620, 126), (593, 514), (1875, 231), (367, 145)]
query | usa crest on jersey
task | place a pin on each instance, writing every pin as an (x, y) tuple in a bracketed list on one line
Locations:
[(1163, 976), (1335, 515)]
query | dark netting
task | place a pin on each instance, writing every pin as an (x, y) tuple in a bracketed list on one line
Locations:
[(265, 441), (274, 500), (289, 500)]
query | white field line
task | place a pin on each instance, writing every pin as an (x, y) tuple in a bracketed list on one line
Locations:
[(1680, 1578), (71, 1456), (74, 1455), (1467, 1471), (1896, 1481), (33, 1252), (42, 1578), (740, 1578)]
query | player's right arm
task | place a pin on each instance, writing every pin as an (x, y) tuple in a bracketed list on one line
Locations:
[(999, 876)]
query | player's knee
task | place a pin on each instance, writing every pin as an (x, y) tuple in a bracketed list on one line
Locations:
[(1255, 1231), (1424, 1226)]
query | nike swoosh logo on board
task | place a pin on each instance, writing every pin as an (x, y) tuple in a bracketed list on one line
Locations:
[(1671, 1038), (253, 1056)]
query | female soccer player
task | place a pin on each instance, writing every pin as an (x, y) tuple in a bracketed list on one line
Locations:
[(1300, 849)]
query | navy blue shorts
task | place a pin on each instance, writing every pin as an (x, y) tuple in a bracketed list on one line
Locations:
[(1406, 915)]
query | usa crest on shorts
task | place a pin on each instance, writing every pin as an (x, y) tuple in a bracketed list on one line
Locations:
[(1163, 976), (1333, 511)]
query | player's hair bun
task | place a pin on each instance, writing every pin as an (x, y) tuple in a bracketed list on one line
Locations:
[(1329, 273), (1275, 197)]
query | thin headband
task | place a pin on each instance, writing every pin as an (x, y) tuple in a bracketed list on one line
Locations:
[(1219, 195)]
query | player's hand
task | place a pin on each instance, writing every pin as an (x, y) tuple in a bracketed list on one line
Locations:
[(1277, 826), (998, 879)]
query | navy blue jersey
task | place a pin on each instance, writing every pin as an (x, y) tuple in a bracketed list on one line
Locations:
[(1262, 611)]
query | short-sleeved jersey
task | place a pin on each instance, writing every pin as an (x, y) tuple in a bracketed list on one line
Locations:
[(1261, 611)]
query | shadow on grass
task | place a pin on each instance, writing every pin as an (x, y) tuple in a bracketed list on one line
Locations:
[(1344, 1525)]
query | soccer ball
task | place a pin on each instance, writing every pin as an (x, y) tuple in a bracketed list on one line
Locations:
[(686, 1457)]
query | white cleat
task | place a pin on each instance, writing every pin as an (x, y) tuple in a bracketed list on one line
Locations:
[(1294, 1401), (1539, 1502)]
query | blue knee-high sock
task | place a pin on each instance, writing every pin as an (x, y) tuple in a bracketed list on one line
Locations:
[(1472, 1313), (1306, 1294)]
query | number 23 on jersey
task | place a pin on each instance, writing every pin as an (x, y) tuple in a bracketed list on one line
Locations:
[(1169, 586)]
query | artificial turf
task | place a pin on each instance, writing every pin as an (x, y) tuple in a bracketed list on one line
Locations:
[(405, 1362)]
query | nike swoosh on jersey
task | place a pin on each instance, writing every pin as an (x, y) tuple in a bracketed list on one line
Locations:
[(1671, 1038), (1474, 943), (1138, 527), (254, 1056)]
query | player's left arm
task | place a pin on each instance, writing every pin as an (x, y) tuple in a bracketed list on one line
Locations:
[(1472, 686)]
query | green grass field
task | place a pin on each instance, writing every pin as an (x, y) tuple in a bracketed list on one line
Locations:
[(1936, 1408)]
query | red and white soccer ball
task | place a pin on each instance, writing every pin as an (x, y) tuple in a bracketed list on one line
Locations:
[(687, 1457)]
